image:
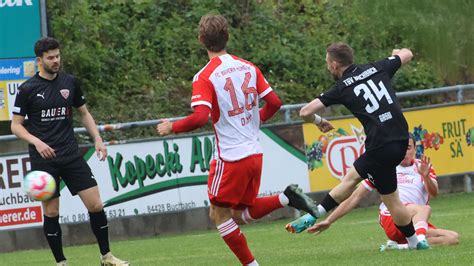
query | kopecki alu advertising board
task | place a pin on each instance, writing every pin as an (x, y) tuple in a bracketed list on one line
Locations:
[(146, 177), (445, 134)]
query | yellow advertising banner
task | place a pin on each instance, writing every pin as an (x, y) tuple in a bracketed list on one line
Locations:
[(8, 90), (13, 72), (445, 134)]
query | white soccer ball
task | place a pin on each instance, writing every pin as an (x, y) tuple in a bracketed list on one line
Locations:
[(39, 185)]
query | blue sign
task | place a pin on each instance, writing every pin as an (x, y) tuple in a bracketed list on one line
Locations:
[(17, 69)]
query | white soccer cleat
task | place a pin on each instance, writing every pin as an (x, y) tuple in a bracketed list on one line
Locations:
[(110, 260), (62, 263)]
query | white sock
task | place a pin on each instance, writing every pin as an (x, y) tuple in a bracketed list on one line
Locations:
[(253, 263), (321, 210), (421, 237), (424, 225), (412, 241), (283, 200)]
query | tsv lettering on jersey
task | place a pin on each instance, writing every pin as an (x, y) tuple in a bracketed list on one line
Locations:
[(12, 3), (369, 72)]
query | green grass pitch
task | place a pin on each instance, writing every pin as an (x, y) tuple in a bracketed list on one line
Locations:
[(353, 240)]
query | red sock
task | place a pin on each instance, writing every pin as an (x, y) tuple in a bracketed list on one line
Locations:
[(236, 241), (421, 228), (262, 207)]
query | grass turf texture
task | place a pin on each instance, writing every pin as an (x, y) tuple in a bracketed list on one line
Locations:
[(353, 240)]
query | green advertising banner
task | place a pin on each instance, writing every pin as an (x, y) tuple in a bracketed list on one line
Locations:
[(20, 27)]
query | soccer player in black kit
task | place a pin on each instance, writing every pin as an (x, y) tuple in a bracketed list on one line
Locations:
[(366, 91), (47, 100)]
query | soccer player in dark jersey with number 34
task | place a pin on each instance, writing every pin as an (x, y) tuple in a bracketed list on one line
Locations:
[(47, 100), (366, 91)]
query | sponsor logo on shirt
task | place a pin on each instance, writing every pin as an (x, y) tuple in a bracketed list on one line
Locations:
[(50, 114)]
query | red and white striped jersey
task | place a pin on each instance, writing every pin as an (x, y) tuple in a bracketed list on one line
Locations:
[(231, 87), (411, 187)]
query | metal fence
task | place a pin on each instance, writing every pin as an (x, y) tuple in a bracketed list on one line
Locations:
[(285, 110)]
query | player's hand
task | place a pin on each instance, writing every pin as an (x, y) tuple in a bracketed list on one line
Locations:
[(424, 166), (44, 150), (395, 51), (100, 149), (164, 128), (319, 227), (325, 126)]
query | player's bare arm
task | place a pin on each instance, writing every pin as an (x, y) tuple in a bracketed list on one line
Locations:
[(405, 54), (424, 168), (345, 207), (89, 124), (20, 131), (308, 113)]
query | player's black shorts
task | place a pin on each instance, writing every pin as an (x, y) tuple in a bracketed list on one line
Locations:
[(74, 170), (379, 165)]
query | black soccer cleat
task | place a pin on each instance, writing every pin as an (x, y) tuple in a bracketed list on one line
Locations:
[(299, 200)]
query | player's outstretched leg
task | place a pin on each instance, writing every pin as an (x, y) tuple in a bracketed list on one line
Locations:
[(299, 200)]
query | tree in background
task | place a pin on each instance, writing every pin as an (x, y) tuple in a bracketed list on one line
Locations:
[(137, 58)]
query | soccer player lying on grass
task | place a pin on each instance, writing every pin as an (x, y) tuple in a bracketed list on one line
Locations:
[(416, 184)]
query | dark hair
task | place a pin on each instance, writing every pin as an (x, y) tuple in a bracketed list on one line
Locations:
[(213, 32), (45, 44), (341, 53)]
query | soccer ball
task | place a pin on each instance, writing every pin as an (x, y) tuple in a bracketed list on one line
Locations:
[(39, 185)]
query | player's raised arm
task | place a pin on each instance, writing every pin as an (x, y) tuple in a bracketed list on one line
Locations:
[(428, 174), (405, 54)]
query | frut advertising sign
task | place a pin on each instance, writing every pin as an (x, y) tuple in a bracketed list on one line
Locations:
[(444, 134)]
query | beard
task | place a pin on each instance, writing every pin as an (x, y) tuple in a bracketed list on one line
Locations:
[(51, 70)]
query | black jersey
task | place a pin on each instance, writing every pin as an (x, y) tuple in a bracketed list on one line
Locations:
[(366, 91), (48, 107)]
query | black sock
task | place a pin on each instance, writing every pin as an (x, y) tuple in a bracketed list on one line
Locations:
[(52, 231), (407, 230), (100, 227), (329, 203)]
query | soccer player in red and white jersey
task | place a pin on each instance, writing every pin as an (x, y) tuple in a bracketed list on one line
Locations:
[(416, 181), (229, 88)]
